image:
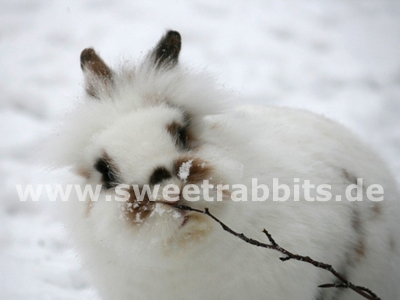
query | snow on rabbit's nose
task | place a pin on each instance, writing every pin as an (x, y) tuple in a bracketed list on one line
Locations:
[(192, 170)]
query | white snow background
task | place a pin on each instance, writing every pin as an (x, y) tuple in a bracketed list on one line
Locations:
[(340, 58)]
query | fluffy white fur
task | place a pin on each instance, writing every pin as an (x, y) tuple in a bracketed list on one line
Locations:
[(161, 259)]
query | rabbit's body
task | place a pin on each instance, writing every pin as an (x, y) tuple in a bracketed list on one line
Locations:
[(150, 123)]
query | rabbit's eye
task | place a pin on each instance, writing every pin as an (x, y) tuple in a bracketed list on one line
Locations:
[(180, 134), (104, 167), (182, 137)]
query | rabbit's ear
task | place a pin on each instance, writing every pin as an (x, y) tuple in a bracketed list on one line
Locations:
[(166, 53), (97, 74)]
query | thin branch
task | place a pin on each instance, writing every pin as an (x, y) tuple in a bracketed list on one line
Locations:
[(344, 283)]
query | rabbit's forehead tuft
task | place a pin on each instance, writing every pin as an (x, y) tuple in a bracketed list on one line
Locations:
[(143, 126), (158, 115), (139, 141)]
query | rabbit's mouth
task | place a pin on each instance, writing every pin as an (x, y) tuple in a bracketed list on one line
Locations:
[(183, 210), (139, 211)]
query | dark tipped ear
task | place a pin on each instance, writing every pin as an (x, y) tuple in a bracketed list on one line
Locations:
[(166, 52), (97, 73)]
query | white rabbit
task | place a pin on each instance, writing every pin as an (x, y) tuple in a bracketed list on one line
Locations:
[(157, 124)]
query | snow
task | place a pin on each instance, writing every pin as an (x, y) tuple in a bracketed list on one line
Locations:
[(159, 209), (184, 170), (336, 57)]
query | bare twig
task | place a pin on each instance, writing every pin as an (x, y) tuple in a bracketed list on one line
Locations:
[(344, 283)]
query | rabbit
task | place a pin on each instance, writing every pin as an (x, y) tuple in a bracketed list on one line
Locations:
[(158, 124)]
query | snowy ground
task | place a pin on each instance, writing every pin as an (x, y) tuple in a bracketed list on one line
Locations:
[(336, 57)]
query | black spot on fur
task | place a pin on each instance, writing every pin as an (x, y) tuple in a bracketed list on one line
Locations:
[(181, 135), (160, 174), (104, 166)]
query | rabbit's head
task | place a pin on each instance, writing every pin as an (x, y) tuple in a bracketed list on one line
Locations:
[(142, 128)]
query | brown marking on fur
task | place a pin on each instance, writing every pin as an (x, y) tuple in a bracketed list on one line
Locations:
[(360, 249), (199, 171), (215, 126), (166, 52), (138, 211), (83, 172), (93, 63), (196, 229), (175, 130), (349, 177), (377, 209), (191, 139)]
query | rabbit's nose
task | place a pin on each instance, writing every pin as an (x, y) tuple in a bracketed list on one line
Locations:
[(159, 175)]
